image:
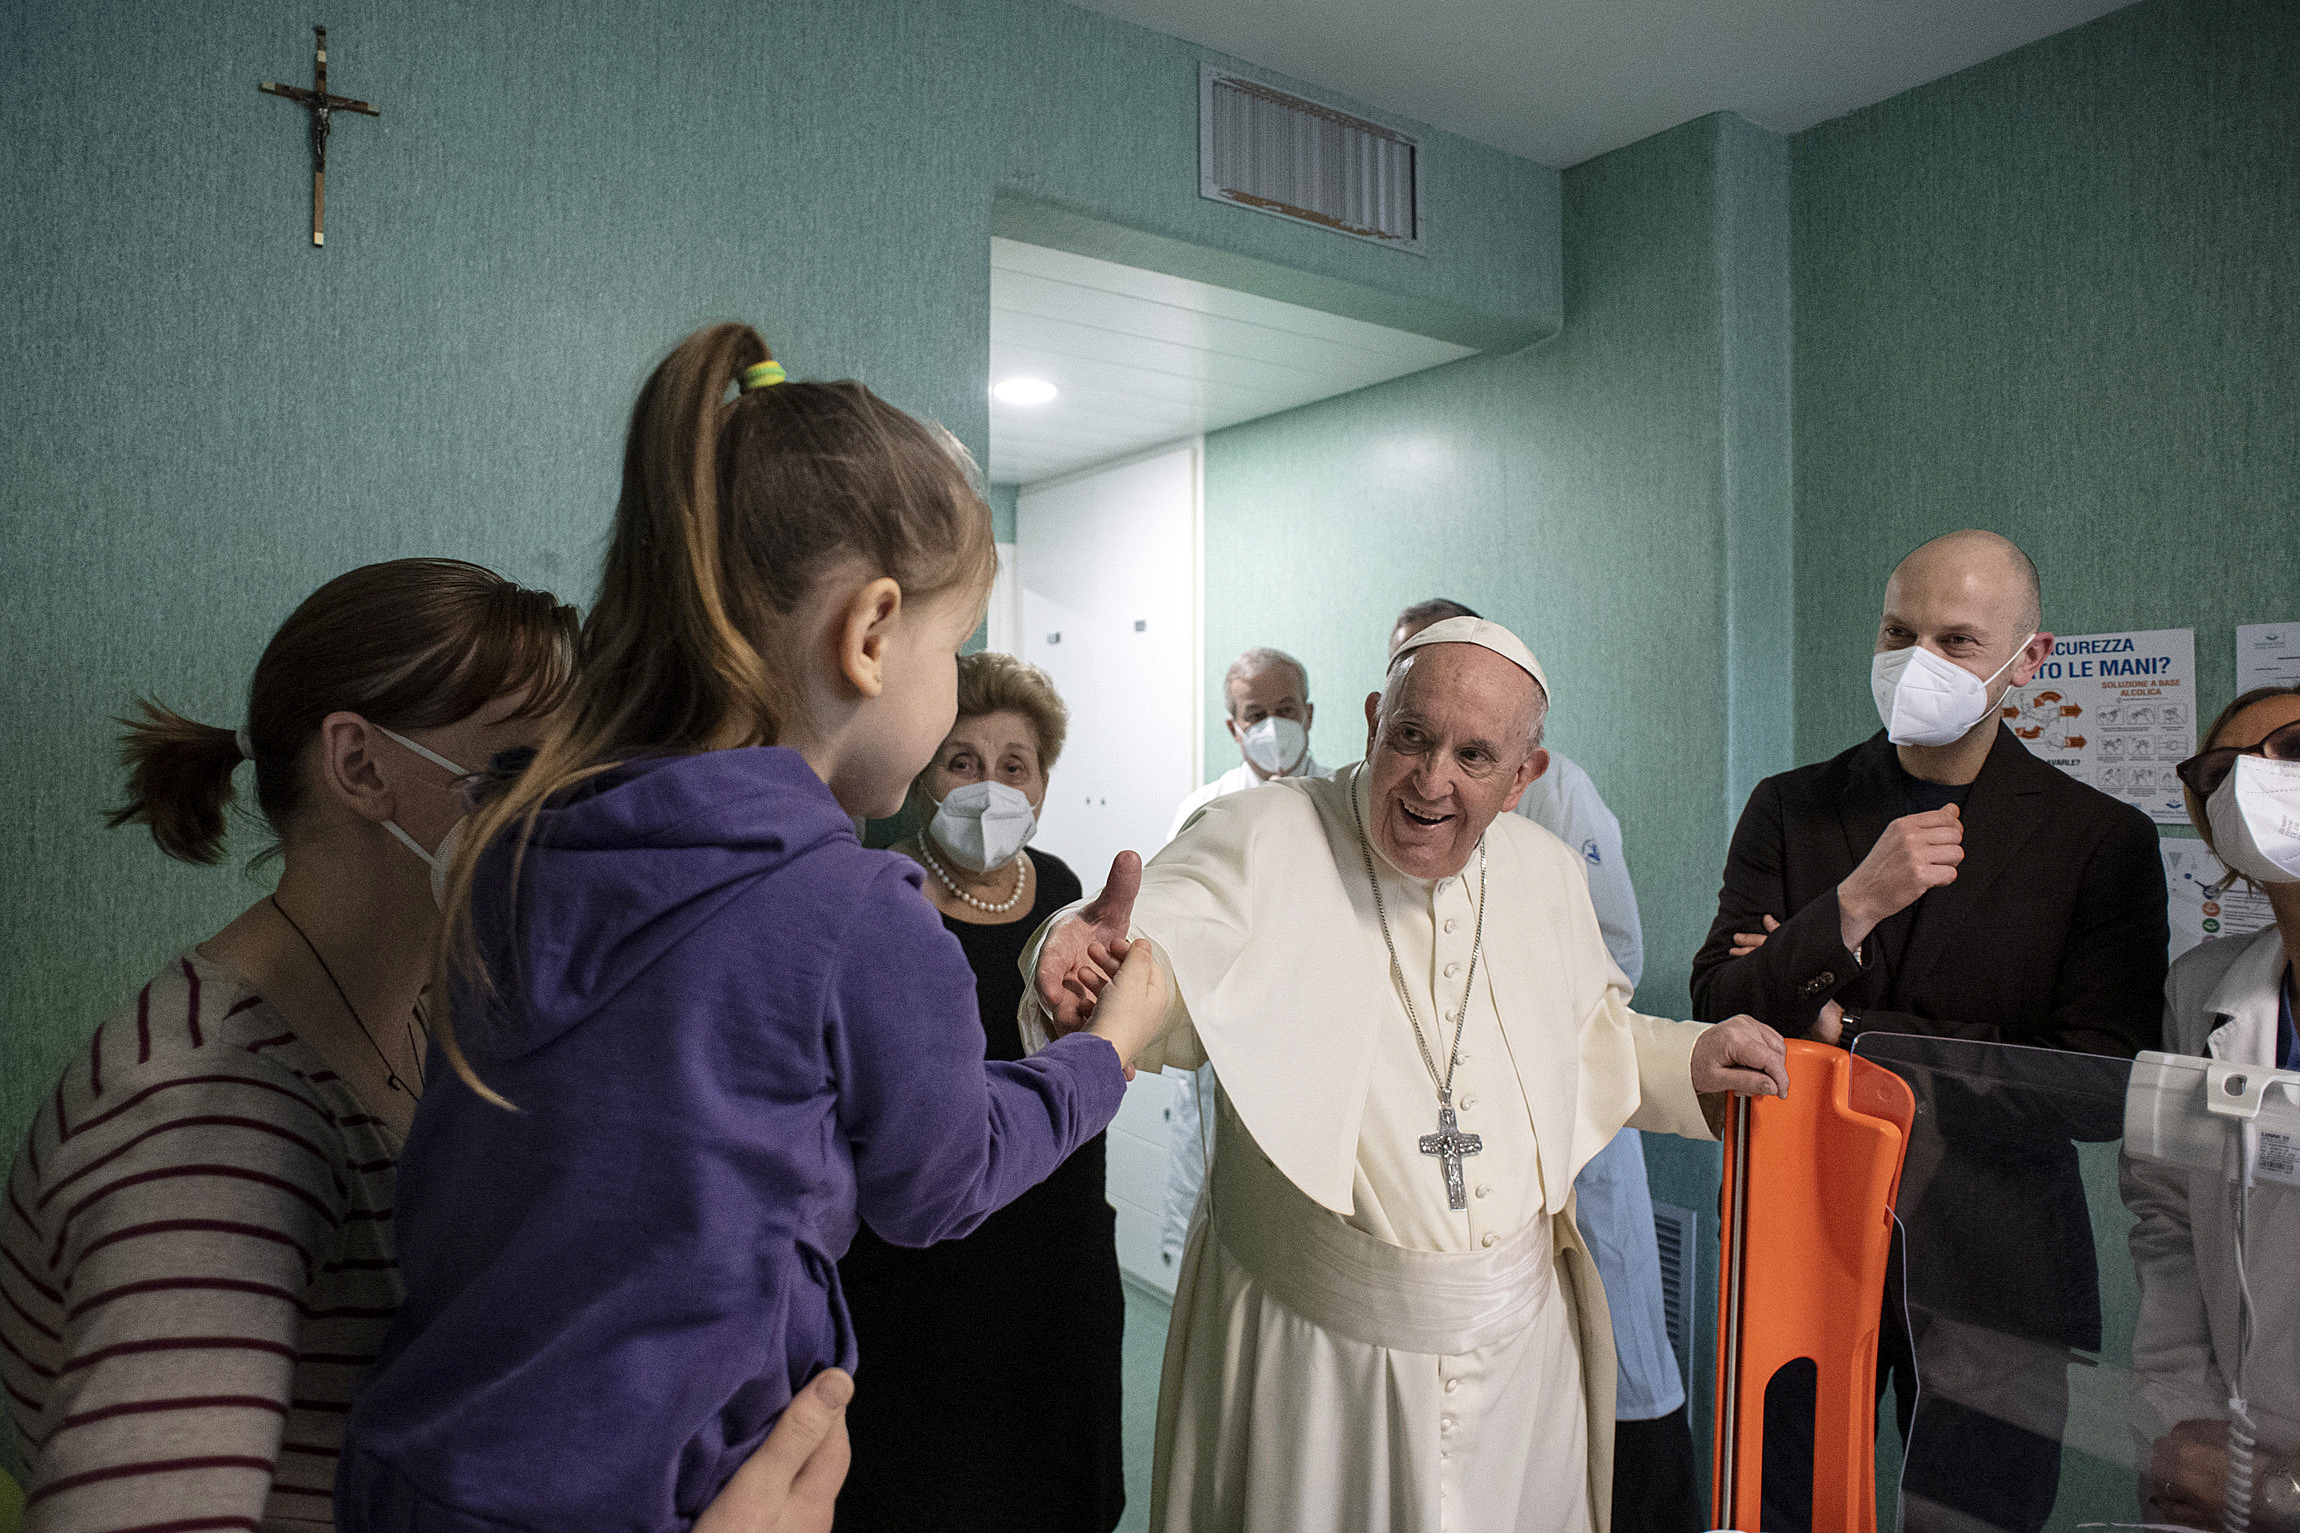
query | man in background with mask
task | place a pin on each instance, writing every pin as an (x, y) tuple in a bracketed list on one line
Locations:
[(1938, 879), (1268, 695), (1656, 1486), (1267, 692)]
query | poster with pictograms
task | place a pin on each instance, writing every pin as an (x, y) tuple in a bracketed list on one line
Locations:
[(2116, 711)]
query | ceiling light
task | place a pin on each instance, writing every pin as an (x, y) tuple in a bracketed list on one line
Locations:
[(1023, 391)]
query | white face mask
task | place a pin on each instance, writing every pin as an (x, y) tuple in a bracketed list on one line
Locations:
[(1276, 745), (983, 825), (1925, 700), (441, 857), (2255, 820)]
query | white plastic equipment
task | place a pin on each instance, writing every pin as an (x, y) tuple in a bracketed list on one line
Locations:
[(2240, 1122)]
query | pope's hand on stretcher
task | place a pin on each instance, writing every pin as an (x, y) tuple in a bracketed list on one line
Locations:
[(1741, 1054)]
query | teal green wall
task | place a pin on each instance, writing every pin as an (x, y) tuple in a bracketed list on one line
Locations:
[(205, 417), (1002, 502), (2057, 295)]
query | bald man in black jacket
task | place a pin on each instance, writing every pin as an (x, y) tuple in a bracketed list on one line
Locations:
[(1967, 890)]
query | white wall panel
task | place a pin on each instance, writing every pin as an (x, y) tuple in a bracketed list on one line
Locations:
[(1108, 562)]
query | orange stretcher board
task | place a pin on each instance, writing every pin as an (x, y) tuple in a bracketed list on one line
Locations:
[(1808, 1222)]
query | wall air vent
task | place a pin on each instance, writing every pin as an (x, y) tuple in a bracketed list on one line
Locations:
[(1277, 153), (1678, 1232)]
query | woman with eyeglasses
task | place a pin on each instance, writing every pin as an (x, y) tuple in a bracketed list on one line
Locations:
[(2231, 1000)]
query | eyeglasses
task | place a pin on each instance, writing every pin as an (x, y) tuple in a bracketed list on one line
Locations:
[(2205, 771)]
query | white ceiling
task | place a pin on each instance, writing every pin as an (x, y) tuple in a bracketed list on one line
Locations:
[(1143, 359), (1561, 80)]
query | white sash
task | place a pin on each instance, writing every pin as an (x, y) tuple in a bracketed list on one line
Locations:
[(1343, 1280)]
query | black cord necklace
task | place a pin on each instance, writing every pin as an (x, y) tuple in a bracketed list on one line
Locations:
[(391, 1076)]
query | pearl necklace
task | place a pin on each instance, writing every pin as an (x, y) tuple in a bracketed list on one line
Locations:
[(1021, 876)]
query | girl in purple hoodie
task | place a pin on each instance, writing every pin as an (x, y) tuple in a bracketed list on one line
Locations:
[(697, 1030)]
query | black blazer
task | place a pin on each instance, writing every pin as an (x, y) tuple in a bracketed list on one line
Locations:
[(2053, 936)]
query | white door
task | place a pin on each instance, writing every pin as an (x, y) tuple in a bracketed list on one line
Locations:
[(1109, 572), (1108, 565)]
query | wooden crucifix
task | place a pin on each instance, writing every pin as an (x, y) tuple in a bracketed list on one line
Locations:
[(322, 107)]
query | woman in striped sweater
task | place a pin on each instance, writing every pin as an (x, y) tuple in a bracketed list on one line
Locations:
[(196, 1257)]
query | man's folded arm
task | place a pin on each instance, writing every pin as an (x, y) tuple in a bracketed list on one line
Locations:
[(2110, 973), (1801, 967)]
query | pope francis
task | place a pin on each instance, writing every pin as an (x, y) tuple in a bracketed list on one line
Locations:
[(1385, 1319)]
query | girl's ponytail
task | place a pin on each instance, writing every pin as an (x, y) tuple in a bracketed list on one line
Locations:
[(179, 781), (666, 565)]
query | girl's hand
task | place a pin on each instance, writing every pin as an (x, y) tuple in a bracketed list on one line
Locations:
[(790, 1483), (1131, 1009)]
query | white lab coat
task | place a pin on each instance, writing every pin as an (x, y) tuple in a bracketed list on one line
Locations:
[(1612, 1200), (2221, 1002)]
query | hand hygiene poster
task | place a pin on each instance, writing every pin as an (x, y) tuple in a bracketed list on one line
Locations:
[(2117, 711)]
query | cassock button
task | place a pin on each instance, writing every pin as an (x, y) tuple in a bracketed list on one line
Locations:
[(1451, 1385), (1446, 1422), (1452, 969), (1451, 923), (1468, 1102), (1483, 1189), (1490, 1239)]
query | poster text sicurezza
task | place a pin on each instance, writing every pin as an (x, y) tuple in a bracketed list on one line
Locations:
[(2117, 711)]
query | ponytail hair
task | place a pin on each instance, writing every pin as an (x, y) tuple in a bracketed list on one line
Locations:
[(732, 512), (407, 644), (179, 781)]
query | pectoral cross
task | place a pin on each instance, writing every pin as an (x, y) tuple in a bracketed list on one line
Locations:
[(322, 107), (1449, 1144)]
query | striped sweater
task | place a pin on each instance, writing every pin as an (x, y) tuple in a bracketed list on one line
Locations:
[(196, 1266)]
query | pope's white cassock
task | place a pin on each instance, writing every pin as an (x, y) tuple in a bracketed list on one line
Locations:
[(1347, 1351)]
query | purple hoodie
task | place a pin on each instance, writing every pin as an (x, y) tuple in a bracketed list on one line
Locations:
[(730, 1030)]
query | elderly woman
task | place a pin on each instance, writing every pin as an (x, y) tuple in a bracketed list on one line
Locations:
[(990, 1397)]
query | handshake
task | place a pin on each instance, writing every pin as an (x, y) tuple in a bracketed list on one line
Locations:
[(1093, 977)]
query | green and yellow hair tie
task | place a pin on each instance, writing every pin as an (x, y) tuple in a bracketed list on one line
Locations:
[(763, 375)]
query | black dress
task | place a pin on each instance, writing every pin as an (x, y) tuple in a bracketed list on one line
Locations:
[(987, 1394)]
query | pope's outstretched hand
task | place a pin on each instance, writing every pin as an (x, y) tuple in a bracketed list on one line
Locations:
[(1741, 1054), (1085, 948), (1091, 976)]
